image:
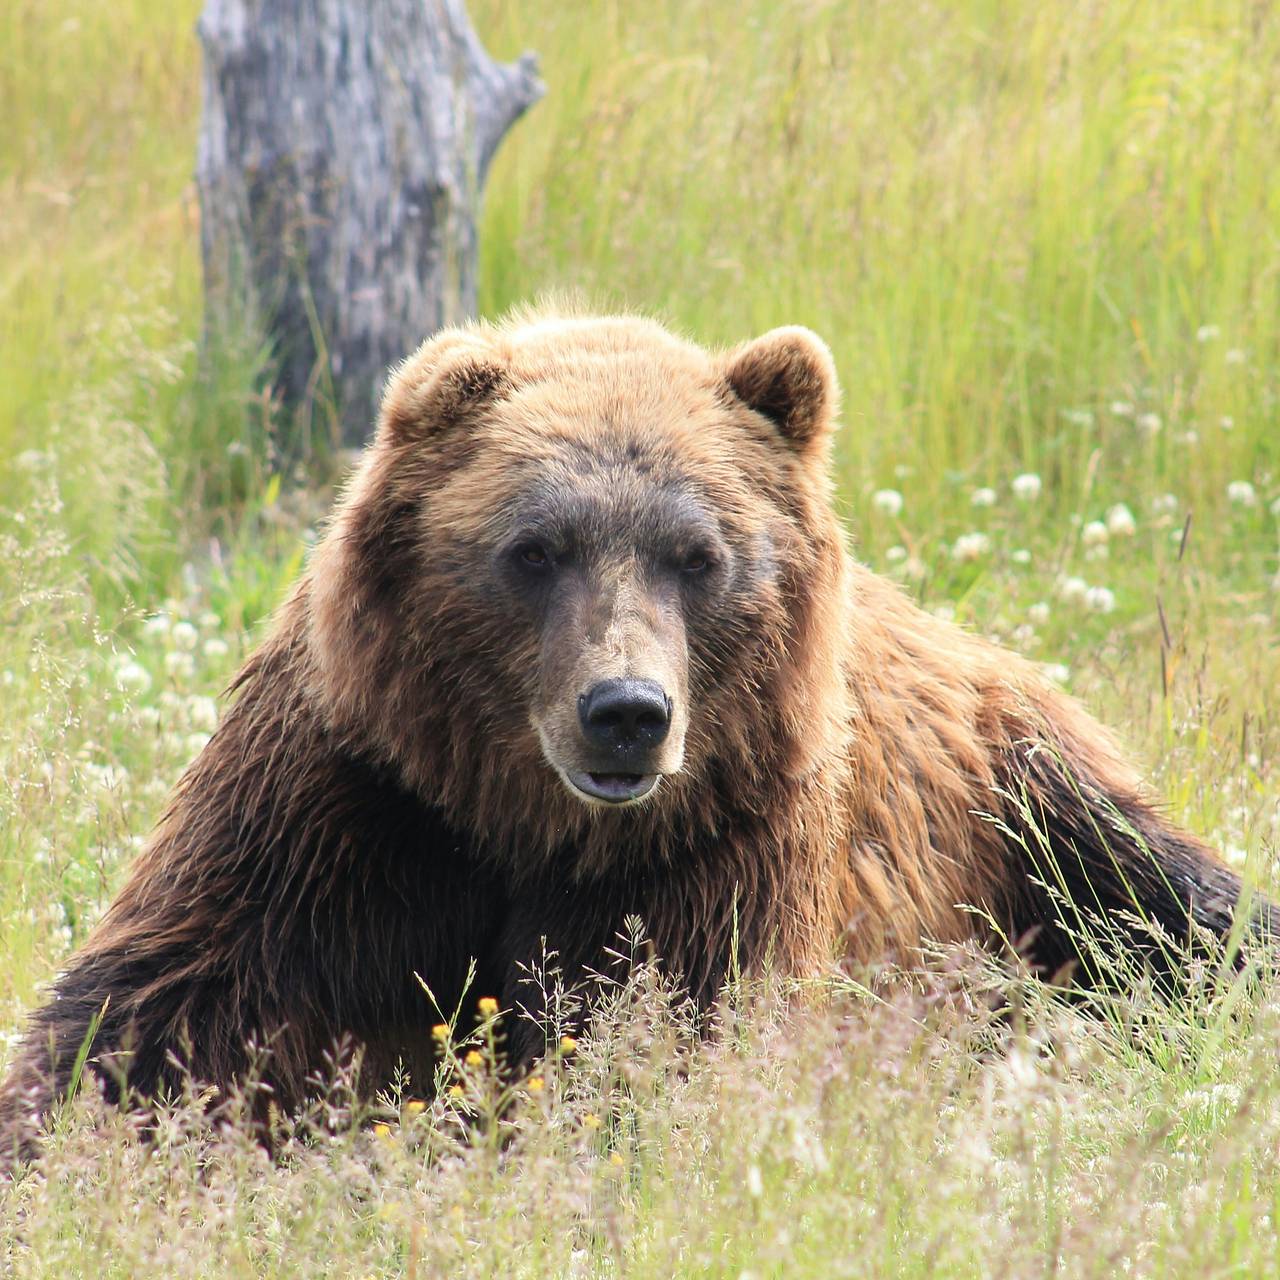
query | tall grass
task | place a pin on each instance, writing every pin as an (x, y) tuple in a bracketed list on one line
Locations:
[(1004, 217), (1041, 239)]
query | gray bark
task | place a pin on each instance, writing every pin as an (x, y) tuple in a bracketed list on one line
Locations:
[(343, 148)]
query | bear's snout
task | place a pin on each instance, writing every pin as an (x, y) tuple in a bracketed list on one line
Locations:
[(625, 718), (623, 722)]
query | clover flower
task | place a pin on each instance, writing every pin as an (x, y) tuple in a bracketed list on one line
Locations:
[(1120, 521), (970, 546), (132, 677), (1026, 487), (887, 501), (1100, 600), (1072, 589), (184, 636)]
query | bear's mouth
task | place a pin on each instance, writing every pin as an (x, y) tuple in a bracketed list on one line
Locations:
[(612, 788)]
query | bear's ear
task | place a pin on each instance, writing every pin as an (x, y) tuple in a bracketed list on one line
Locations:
[(447, 377), (787, 375)]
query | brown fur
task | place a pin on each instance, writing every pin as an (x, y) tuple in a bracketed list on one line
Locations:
[(378, 802)]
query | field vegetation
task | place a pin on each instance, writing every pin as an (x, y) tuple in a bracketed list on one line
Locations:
[(1044, 244)]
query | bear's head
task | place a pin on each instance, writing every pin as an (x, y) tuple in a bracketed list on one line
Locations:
[(587, 578)]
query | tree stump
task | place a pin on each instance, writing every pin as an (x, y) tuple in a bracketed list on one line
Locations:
[(342, 153)]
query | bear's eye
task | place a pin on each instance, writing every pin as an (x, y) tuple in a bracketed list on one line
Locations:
[(533, 556), (696, 562)]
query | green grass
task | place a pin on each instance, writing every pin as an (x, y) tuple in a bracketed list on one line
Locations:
[(1040, 239)]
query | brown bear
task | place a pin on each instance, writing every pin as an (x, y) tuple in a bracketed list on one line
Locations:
[(583, 641)]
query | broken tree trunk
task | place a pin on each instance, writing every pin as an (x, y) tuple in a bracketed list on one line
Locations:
[(343, 148)]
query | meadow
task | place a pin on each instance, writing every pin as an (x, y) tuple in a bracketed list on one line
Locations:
[(1043, 242)]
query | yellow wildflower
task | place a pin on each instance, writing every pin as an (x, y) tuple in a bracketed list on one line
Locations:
[(535, 1084), (567, 1044), (455, 1091), (474, 1059), (440, 1031), (591, 1120), (488, 1006), (382, 1131), (415, 1107)]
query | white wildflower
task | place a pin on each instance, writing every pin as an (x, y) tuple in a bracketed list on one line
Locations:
[(983, 498), (1241, 493), (1094, 534), (1227, 422), (1039, 613), (1121, 409), (895, 555), (888, 501), (32, 460), (179, 664), (132, 677), (1100, 599), (1148, 423), (755, 1182), (195, 743), (1120, 521), (1027, 486), (970, 546), (1020, 556), (1073, 590), (1164, 504), (1274, 508), (158, 625), (208, 620), (216, 647), (184, 636), (1056, 672), (1207, 333), (1235, 356), (202, 711)]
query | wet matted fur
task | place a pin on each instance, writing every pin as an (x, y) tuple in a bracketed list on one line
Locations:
[(549, 502)]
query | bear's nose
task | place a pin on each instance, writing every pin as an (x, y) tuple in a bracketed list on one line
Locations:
[(625, 715)]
